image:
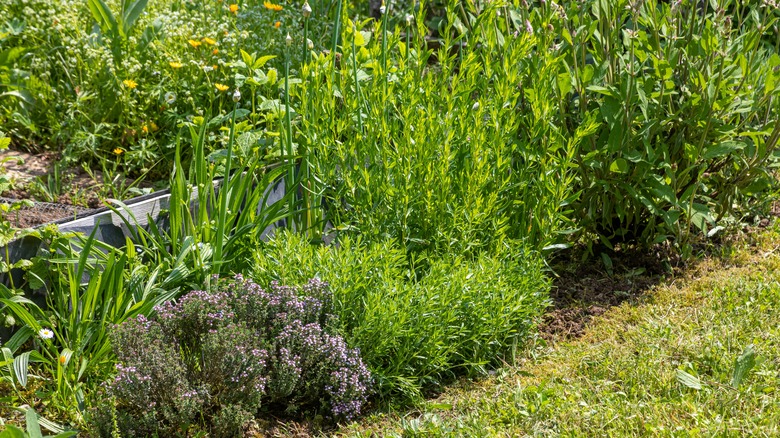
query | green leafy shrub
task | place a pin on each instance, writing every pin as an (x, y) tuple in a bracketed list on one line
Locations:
[(447, 150), (686, 97), (417, 330), (213, 359)]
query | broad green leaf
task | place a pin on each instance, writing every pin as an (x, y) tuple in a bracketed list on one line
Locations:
[(688, 380), (131, 14), (260, 62), (723, 148), (742, 366), (247, 58), (12, 431), (701, 216), (103, 16), (33, 428), (619, 166)]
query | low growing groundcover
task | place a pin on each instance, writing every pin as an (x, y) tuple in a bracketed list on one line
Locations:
[(699, 355)]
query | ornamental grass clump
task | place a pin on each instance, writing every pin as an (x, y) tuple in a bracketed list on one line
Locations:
[(215, 359)]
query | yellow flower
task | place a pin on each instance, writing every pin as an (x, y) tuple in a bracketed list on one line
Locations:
[(221, 87), (209, 41), (271, 6), (145, 129), (153, 126), (175, 64), (129, 83), (233, 8), (194, 43), (277, 24), (119, 151)]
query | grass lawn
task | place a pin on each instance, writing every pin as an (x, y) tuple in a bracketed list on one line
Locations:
[(663, 365)]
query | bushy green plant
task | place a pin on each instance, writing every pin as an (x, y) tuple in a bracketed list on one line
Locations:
[(215, 358), (417, 330), (112, 80), (88, 286), (448, 150), (686, 97)]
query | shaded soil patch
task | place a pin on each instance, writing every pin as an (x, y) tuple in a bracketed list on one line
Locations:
[(39, 213), (582, 291)]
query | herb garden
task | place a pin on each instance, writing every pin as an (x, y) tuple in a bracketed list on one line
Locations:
[(361, 203)]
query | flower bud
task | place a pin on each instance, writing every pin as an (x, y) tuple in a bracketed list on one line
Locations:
[(236, 95), (309, 44), (306, 10), (409, 19), (475, 106), (382, 9), (288, 40)]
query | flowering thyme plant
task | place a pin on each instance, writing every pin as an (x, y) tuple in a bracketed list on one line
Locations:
[(216, 357)]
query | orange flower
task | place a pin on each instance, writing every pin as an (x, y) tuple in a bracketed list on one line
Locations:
[(175, 64), (215, 51), (214, 66), (63, 359), (277, 24), (272, 6), (145, 129), (194, 43), (233, 8), (209, 41), (221, 87)]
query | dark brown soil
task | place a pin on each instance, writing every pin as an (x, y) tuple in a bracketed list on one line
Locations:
[(582, 291)]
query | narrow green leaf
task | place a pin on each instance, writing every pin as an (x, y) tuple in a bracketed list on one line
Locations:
[(20, 367)]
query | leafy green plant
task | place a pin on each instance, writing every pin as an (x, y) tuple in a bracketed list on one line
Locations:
[(449, 172), (90, 285), (33, 428), (417, 329), (685, 98)]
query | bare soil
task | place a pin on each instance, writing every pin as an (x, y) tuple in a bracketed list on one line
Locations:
[(79, 190)]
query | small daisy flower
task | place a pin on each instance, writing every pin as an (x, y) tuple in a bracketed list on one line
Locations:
[(45, 333)]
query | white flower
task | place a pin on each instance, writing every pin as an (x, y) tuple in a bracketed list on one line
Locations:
[(170, 97), (475, 106), (236, 95), (45, 333), (382, 10), (409, 19)]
